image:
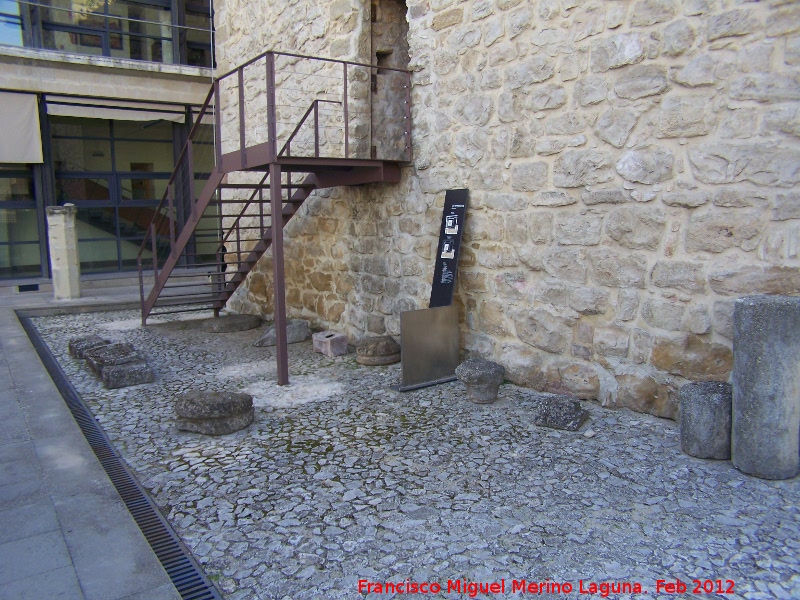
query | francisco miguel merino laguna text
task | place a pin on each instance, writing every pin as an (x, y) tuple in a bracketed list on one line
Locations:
[(473, 588)]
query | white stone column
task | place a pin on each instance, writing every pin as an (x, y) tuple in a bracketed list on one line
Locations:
[(62, 237)]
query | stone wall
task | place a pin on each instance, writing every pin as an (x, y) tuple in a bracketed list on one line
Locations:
[(633, 168)]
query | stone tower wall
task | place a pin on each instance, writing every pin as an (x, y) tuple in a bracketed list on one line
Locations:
[(633, 168)]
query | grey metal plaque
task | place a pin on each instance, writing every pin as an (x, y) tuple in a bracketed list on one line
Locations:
[(429, 346)]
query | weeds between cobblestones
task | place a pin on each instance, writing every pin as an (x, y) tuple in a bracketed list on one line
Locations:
[(340, 479)]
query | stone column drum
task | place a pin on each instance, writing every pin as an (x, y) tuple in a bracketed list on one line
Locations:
[(482, 379), (62, 238), (706, 419), (765, 436)]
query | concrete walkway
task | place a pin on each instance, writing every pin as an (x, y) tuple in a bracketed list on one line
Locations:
[(64, 531)]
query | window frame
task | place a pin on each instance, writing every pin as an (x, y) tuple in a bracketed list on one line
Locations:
[(114, 177)]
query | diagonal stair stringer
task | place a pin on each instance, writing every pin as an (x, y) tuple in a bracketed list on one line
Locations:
[(183, 238)]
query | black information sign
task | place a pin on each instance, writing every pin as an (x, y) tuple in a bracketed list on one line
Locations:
[(444, 274)]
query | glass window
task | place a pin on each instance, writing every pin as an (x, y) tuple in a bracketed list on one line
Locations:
[(129, 251), (81, 189), (144, 189), (148, 31), (98, 255), (207, 239), (10, 23), (80, 13), (154, 157), (19, 243), (19, 224), (74, 26), (203, 153), (131, 29), (65, 41), (198, 33), (82, 128), (116, 172), (134, 220), (82, 155), (97, 238), (198, 43), (140, 31), (16, 183), (138, 131), (81, 145)]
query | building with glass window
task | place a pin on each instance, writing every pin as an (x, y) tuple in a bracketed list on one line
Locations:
[(96, 100)]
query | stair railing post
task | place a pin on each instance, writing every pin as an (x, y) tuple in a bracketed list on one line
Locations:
[(278, 274), (141, 288), (272, 126), (316, 128), (242, 136), (407, 117), (261, 231), (217, 126), (171, 216), (276, 225), (239, 240), (154, 248), (346, 113), (190, 163)]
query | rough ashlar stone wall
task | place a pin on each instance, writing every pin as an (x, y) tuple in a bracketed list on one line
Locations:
[(328, 28), (633, 168)]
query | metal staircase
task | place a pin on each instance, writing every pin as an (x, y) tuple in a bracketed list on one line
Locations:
[(270, 132)]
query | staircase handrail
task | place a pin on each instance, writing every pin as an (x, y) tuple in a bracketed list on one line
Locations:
[(184, 151), (305, 56), (315, 109)]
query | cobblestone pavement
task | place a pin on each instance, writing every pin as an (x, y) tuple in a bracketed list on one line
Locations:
[(341, 479)]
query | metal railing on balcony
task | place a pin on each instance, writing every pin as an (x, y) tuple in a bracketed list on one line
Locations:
[(148, 31), (353, 118)]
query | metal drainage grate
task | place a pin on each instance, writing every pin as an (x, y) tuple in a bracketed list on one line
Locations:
[(186, 575)]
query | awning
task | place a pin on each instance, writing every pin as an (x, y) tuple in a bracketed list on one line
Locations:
[(21, 141), (119, 110)]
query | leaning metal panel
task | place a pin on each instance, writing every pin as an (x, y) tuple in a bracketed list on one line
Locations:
[(430, 346)]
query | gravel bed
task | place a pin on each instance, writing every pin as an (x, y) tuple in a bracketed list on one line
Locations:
[(341, 479)]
